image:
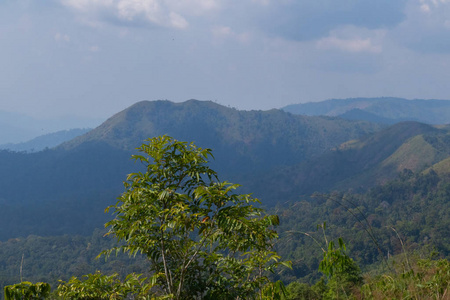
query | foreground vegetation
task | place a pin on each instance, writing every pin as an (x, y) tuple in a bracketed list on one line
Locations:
[(198, 239), (409, 214), (410, 278), (201, 240)]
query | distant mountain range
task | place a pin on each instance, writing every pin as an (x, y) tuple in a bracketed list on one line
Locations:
[(386, 110), (42, 142), (73, 183), (241, 140), (276, 155), (18, 128)]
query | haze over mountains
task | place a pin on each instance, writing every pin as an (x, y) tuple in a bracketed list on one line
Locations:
[(386, 110), (364, 163), (306, 169), (74, 182), (20, 128), (48, 140), (244, 139), (276, 155)]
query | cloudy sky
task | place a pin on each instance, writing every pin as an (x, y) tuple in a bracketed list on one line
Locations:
[(93, 58)]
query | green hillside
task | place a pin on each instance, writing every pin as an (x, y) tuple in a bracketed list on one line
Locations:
[(276, 155), (361, 164), (385, 190), (415, 206), (442, 167), (406, 216), (56, 258), (244, 139), (72, 184)]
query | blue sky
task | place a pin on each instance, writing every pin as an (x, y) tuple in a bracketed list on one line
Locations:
[(93, 58)]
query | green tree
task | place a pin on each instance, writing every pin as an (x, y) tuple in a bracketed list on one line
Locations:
[(300, 291), (202, 239), (103, 287), (27, 291), (342, 272)]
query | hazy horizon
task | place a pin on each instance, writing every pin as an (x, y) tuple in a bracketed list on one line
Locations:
[(93, 58)]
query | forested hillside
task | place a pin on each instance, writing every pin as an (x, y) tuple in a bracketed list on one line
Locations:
[(360, 164), (415, 206), (242, 141), (56, 258), (73, 183), (384, 189), (408, 215)]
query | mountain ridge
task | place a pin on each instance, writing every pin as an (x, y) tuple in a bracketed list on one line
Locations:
[(75, 181), (360, 164), (388, 110), (48, 140), (226, 130), (276, 155)]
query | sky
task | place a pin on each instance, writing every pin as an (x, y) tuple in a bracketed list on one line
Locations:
[(93, 58)]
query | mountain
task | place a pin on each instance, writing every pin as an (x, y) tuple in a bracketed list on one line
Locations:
[(18, 128), (49, 140), (65, 190), (359, 114), (361, 164), (281, 157), (384, 110), (242, 141)]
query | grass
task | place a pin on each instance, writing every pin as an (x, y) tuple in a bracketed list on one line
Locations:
[(423, 279)]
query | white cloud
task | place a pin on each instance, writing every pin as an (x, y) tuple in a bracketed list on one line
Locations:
[(194, 7), (222, 33), (130, 9), (425, 8), (354, 40), (429, 9), (349, 45), (434, 3), (177, 21), (426, 28), (167, 13), (88, 5)]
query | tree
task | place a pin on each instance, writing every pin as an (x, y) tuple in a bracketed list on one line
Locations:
[(203, 240), (342, 271), (27, 290), (103, 287)]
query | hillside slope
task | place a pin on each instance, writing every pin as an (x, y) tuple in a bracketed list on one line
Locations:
[(385, 110), (242, 141), (42, 142), (65, 190), (361, 164), (416, 206)]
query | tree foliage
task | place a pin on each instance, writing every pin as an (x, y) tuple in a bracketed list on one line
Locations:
[(415, 205), (27, 290), (105, 287), (202, 239)]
